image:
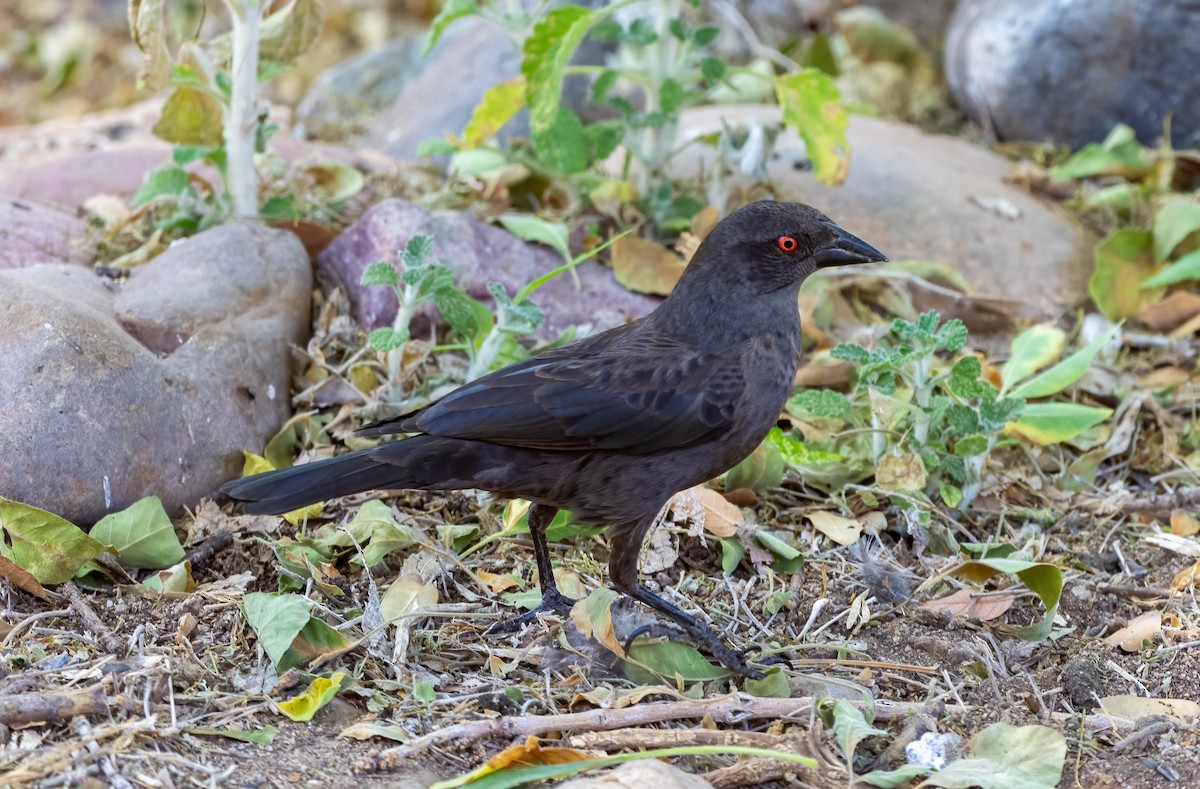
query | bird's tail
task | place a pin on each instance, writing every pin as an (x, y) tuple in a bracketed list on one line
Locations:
[(417, 463)]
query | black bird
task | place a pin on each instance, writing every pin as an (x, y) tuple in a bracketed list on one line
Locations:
[(612, 426)]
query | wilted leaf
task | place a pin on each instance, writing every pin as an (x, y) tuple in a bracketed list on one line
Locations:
[(851, 727), (333, 182), (901, 473), (812, 106), (290, 31), (593, 619), (1123, 262), (1044, 580), (190, 117), (315, 639), (1032, 350), (498, 105), (407, 594), (1007, 757), (146, 23), (368, 729), (645, 266), (843, 531), (721, 519), (969, 603), (319, 693), (173, 582), (141, 534), (1143, 629), (1051, 423), (1135, 707), (48, 547)]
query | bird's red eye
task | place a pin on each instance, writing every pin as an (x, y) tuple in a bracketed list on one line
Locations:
[(787, 243)]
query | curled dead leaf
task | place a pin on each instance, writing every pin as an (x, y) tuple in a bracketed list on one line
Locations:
[(1130, 638), (843, 531), (970, 603)]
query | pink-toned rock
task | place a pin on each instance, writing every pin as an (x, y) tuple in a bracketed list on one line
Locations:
[(478, 253), (68, 179), (153, 387), (33, 233)]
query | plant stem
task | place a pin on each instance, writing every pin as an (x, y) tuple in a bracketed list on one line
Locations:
[(241, 121), (404, 314)]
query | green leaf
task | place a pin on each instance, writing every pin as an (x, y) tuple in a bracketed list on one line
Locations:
[(712, 70), (1185, 269), (812, 106), (760, 471), (773, 685), (603, 84), (280, 208), (776, 545), (319, 693), (893, 779), (1175, 220), (46, 546), (950, 494), (1007, 757), (315, 639), (1066, 372), (964, 379), (380, 274), (334, 182), (452, 10), (1120, 154), (1053, 423), (1032, 350), (706, 35), (797, 453), (385, 339), (141, 534), (670, 661), (1123, 263), (850, 727), (423, 691), (460, 312), (952, 336), (822, 403), (495, 108), (164, 181), (670, 96), (191, 117), (1044, 580), (557, 133), (528, 227), (264, 735), (971, 446), (732, 552), (276, 619)]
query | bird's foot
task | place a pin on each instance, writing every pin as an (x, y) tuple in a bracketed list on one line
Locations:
[(703, 638), (553, 601)]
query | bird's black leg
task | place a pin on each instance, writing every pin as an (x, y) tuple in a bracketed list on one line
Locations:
[(622, 567), (540, 516)]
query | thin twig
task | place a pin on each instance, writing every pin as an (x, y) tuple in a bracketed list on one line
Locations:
[(93, 622)]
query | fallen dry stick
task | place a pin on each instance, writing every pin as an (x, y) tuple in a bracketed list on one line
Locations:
[(728, 709), (93, 622), (23, 708)]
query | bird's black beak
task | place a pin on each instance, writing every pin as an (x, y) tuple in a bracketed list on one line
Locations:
[(846, 248)]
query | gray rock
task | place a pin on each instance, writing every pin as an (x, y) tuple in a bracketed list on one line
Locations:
[(930, 197), (1067, 71), (343, 96), (154, 386), (477, 253), (32, 233)]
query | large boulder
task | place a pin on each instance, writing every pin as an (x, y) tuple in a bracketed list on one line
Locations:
[(32, 233), (928, 197), (478, 253), (151, 387), (1067, 72)]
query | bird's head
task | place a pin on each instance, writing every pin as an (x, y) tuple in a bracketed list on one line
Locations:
[(770, 245)]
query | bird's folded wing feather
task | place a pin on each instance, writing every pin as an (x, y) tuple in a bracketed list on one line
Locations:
[(641, 395)]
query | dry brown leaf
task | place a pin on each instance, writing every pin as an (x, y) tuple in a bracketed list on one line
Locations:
[(721, 519), (645, 266), (1134, 707), (843, 531), (1139, 630), (1164, 378), (1176, 309), (1186, 579), (1183, 524), (1187, 329), (530, 753), (407, 594), (969, 603), (495, 582), (22, 579)]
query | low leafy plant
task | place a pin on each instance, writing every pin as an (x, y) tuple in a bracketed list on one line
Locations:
[(213, 115), (659, 54), (924, 422)]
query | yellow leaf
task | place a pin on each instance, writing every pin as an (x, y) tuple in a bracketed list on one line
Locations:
[(322, 690), (407, 594), (645, 266)]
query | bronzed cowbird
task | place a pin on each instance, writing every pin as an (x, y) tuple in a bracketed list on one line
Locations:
[(612, 426)]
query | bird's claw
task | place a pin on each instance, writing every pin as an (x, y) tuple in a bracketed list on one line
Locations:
[(553, 602)]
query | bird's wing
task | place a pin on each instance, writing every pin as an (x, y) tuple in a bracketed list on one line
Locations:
[(641, 394)]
